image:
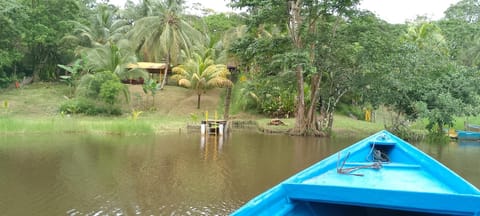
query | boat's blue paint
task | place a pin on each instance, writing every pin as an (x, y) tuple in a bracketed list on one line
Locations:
[(412, 183), (468, 135)]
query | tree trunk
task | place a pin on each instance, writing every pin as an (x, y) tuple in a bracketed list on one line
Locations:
[(305, 120), (312, 126), (164, 81), (35, 72), (153, 100), (300, 104), (309, 125), (293, 27), (327, 111), (198, 101), (228, 97)]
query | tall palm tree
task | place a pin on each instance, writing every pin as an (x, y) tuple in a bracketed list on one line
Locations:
[(104, 27), (200, 74), (164, 34)]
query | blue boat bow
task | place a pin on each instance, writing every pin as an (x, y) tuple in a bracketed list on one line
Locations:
[(356, 181)]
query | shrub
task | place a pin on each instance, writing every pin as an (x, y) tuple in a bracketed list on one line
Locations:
[(5, 81), (91, 86), (110, 90), (97, 94), (88, 107), (280, 104), (266, 96)]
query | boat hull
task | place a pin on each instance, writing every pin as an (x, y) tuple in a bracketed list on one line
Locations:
[(468, 135), (348, 183)]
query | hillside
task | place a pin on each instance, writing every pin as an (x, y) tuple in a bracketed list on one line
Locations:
[(44, 99), (34, 108)]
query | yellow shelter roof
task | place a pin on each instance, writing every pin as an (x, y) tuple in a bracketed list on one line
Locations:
[(147, 65)]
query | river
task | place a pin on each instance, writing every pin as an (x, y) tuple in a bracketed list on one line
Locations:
[(176, 174)]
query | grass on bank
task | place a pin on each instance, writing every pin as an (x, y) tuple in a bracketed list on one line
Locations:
[(34, 109), (73, 125)]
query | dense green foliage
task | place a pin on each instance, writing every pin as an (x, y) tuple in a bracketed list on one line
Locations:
[(419, 70), (87, 107), (96, 93), (298, 58)]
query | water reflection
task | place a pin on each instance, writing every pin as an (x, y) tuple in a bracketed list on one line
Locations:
[(460, 156), (165, 175), (211, 145)]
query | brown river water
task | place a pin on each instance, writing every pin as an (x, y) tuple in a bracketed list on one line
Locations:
[(177, 174)]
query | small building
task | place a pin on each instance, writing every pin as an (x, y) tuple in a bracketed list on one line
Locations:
[(154, 69), (150, 67)]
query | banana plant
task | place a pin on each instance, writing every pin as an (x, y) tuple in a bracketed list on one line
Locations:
[(151, 86), (74, 73)]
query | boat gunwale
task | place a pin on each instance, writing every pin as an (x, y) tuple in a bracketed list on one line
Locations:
[(434, 167), (392, 199), (468, 195)]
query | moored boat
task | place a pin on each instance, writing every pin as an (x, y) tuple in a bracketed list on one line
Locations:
[(468, 135), (472, 127), (379, 175)]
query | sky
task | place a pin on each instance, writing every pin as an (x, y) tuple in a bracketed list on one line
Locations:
[(399, 11), (392, 11)]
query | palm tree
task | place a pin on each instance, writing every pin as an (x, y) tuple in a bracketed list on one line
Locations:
[(426, 34), (218, 51), (200, 74), (113, 57), (164, 35), (133, 12), (104, 27)]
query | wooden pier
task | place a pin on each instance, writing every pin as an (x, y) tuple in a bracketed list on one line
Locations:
[(214, 127)]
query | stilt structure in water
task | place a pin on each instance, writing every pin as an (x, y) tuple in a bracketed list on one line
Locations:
[(213, 134), (214, 126)]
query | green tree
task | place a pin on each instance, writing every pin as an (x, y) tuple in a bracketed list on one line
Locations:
[(165, 33), (301, 19), (200, 74), (461, 28), (465, 10), (47, 23), (423, 82), (12, 19), (218, 24)]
